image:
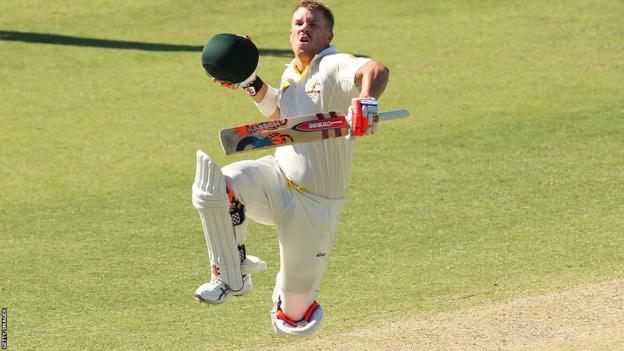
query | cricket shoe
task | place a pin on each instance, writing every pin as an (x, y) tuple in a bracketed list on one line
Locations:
[(216, 292), (285, 326)]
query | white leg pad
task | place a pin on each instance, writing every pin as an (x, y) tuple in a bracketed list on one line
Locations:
[(253, 264), (211, 200), (300, 329)]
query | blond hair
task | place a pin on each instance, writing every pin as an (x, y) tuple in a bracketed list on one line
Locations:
[(318, 5)]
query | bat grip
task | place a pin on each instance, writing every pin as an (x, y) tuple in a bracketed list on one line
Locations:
[(395, 114)]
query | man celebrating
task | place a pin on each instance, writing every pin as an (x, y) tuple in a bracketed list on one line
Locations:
[(300, 190)]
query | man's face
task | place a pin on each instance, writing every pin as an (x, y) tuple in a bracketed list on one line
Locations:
[(309, 33)]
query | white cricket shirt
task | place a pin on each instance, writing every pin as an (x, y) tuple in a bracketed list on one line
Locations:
[(327, 84)]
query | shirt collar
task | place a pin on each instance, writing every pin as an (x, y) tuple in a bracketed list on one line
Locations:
[(330, 50)]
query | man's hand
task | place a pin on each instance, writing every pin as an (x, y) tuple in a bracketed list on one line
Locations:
[(363, 116), (225, 84), (245, 84), (252, 84)]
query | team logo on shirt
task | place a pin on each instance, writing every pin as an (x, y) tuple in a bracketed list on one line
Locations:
[(313, 87)]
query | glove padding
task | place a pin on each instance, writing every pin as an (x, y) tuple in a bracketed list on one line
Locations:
[(245, 84), (363, 116)]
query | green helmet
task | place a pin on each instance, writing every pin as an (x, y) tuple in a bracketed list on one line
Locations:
[(230, 57)]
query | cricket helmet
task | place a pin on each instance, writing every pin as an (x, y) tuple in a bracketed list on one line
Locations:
[(230, 58)]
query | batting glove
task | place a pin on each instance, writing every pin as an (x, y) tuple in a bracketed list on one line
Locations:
[(363, 116)]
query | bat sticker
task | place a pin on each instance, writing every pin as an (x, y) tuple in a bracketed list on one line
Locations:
[(320, 125), (255, 142), (261, 127)]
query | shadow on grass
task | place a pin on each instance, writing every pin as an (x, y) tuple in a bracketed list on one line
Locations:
[(57, 39)]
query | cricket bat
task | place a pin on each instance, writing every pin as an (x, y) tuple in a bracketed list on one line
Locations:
[(294, 130)]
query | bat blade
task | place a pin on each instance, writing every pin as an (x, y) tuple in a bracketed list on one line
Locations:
[(280, 132), (294, 130)]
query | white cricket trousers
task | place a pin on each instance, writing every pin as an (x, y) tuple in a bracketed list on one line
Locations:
[(306, 224)]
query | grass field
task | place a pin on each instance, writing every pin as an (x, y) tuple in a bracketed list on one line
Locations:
[(507, 181)]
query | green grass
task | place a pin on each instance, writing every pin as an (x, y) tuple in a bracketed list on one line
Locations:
[(506, 182)]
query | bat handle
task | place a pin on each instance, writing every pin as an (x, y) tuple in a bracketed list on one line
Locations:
[(395, 114)]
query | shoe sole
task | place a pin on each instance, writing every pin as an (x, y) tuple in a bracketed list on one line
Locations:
[(233, 293), (199, 299)]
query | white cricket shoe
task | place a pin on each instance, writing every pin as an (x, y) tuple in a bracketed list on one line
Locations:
[(216, 292)]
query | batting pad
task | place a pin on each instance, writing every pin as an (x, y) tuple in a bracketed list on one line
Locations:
[(211, 201)]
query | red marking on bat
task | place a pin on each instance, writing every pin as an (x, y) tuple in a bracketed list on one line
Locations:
[(322, 125), (325, 132), (240, 130), (338, 131), (280, 138)]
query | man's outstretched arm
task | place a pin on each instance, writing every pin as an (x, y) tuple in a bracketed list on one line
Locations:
[(372, 78), (267, 99)]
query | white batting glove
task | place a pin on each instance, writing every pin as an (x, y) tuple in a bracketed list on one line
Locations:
[(363, 116)]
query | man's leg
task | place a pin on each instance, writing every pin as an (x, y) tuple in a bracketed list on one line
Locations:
[(306, 233), (257, 191), (223, 221)]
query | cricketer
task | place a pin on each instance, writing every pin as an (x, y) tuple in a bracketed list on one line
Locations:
[(300, 189)]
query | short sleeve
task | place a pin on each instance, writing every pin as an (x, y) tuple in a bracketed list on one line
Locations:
[(347, 67)]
